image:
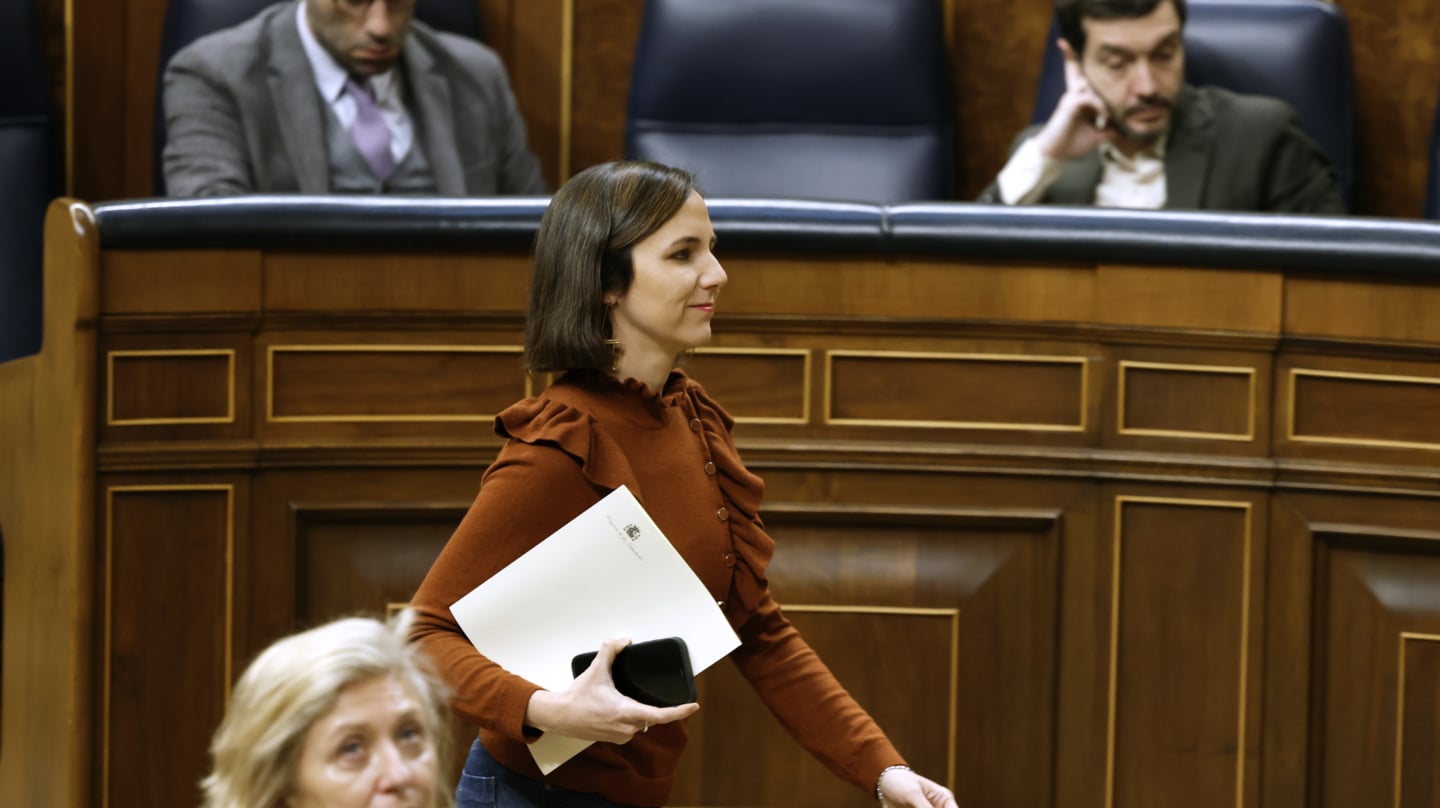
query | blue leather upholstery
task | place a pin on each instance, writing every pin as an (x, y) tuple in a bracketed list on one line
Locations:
[(27, 175), (1020, 234), (823, 99), (188, 20), (1295, 50)]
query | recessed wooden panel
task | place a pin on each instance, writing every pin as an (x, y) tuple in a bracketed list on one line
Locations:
[(1186, 401), (963, 391), (1418, 714), (757, 385), (180, 281), (336, 383), (170, 387), (1364, 409), (1180, 636), (364, 560), (167, 600), (963, 606), (1377, 667)]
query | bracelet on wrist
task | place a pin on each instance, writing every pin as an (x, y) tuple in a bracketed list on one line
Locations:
[(883, 772)]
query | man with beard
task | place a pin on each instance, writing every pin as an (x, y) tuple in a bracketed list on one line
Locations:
[(342, 96), (1130, 133)]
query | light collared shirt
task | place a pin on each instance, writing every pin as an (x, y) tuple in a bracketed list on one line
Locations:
[(330, 81), (1125, 182)]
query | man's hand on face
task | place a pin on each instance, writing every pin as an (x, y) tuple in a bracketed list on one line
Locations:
[(1080, 122)]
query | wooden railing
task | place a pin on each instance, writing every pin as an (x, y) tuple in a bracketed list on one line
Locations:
[(1089, 508)]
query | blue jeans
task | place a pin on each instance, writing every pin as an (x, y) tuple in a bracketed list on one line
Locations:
[(486, 784)]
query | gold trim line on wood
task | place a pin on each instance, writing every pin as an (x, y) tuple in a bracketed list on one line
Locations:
[(1247, 436), (270, 352), (110, 492), (395, 607), (910, 611), (1371, 377), (1082, 361), (228, 418), (803, 353), (1111, 706), (1400, 705)]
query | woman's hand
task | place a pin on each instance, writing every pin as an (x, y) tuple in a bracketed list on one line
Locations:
[(591, 709), (902, 788)]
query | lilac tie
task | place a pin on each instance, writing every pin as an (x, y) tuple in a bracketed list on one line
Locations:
[(371, 135)]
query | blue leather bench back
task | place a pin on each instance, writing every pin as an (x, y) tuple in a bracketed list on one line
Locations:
[(28, 177), (822, 99)]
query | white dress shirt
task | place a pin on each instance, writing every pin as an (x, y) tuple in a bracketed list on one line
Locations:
[(330, 81), (1125, 182)]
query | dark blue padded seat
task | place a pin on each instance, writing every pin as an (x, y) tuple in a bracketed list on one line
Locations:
[(27, 173), (822, 99), (188, 20), (1295, 50)]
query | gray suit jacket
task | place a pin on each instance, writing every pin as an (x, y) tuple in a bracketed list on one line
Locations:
[(1226, 151), (243, 115)]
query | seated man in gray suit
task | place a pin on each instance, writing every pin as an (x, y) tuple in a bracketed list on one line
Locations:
[(342, 96), (1129, 133)]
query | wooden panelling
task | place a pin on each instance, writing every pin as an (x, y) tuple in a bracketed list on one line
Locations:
[(166, 648), (1186, 401), (169, 387), (1365, 409), (439, 282), (1093, 587), (541, 73), (959, 391), (604, 55), (1378, 624), (1230, 300), (994, 39), (338, 383), (965, 602), (912, 287), (1397, 71), (1346, 308), (1417, 732), (142, 282), (1182, 729), (360, 559), (48, 514), (758, 385)]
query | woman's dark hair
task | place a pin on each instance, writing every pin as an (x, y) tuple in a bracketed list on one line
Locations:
[(1071, 15), (582, 251)]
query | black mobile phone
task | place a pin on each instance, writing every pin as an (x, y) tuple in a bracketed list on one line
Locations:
[(654, 672)]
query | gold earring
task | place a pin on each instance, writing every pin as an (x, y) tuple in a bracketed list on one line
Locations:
[(617, 350)]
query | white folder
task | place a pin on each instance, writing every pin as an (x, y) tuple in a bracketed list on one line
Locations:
[(608, 573)]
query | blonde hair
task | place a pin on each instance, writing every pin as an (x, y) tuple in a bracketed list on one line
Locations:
[(293, 683)]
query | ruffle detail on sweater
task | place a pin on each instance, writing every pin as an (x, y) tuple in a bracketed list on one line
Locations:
[(743, 491), (544, 421)]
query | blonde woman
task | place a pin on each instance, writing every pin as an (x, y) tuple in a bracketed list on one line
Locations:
[(340, 716)]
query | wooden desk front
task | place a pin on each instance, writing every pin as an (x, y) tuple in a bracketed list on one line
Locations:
[(1078, 533)]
